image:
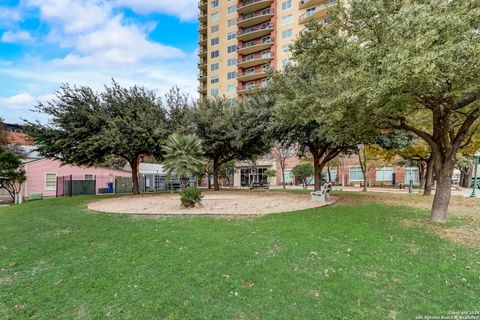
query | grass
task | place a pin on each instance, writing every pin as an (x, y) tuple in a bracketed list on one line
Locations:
[(58, 261)]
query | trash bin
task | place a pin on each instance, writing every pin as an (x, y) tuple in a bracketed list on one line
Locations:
[(110, 187)]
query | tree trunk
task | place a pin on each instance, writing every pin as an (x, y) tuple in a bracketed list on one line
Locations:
[(283, 177), (427, 191), (422, 170), (329, 173), (443, 192), (216, 172), (363, 167), (209, 183), (317, 172), (134, 163)]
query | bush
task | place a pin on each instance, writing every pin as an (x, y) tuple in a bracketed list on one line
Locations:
[(190, 197)]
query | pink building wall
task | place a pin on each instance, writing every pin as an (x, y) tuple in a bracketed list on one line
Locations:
[(37, 169)]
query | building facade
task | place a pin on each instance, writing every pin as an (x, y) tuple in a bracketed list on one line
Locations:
[(240, 40)]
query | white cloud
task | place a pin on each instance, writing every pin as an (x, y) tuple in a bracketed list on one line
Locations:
[(21, 100), (97, 36), (9, 16), (16, 37), (184, 9), (73, 16)]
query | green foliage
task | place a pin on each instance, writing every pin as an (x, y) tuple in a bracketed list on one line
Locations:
[(230, 132), (12, 174), (86, 128), (270, 173), (3, 136), (183, 157), (409, 65), (302, 172), (179, 111), (190, 197)]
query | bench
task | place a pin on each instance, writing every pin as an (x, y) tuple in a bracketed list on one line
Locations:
[(322, 195), (259, 185)]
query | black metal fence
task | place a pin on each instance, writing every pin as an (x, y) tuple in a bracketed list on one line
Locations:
[(74, 185)]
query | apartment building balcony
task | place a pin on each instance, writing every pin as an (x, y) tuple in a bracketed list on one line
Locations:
[(202, 53), (253, 74), (251, 87), (255, 32), (255, 59), (202, 76), (202, 28), (202, 89), (318, 12), (202, 5), (251, 19), (202, 40), (202, 16), (202, 65), (248, 6), (253, 46)]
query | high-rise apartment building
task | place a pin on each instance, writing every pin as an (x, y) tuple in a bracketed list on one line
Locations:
[(240, 40)]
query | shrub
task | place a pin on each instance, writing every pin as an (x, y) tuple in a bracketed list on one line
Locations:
[(190, 197)]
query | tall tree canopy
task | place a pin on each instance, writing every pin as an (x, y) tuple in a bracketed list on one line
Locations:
[(404, 64), (86, 127), (230, 132), (293, 125)]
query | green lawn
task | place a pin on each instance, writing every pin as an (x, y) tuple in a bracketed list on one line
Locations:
[(342, 262)]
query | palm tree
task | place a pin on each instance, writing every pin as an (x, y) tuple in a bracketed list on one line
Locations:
[(183, 157)]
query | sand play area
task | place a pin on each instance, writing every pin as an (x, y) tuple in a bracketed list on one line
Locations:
[(213, 203)]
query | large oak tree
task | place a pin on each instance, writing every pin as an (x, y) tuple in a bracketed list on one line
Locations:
[(86, 128), (402, 64)]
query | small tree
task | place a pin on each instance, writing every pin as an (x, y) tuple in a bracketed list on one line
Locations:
[(12, 175), (281, 154), (3, 136), (183, 157), (302, 172), (270, 173)]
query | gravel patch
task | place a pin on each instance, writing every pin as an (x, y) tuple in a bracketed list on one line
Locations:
[(213, 203)]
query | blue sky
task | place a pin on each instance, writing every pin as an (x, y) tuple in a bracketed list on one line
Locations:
[(44, 43)]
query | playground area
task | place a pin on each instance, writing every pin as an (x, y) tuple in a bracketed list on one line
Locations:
[(213, 203)]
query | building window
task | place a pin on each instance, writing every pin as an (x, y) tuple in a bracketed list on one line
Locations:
[(231, 35), (287, 34), (286, 4), (231, 9), (232, 48), (50, 181), (215, 16), (214, 67), (384, 174), (287, 19), (214, 41), (215, 28), (231, 88), (231, 62), (214, 79), (215, 3), (411, 173), (333, 174), (231, 22), (231, 75), (89, 176), (286, 48), (355, 174), (214, 92), (231, 101), (215, 54)]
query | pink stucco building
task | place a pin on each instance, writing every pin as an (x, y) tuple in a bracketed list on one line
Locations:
[(42, 176)]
